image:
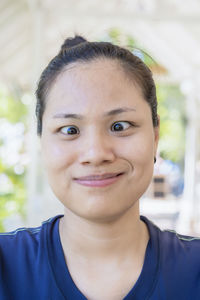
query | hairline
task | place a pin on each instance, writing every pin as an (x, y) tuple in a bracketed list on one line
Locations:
[(129, 76)]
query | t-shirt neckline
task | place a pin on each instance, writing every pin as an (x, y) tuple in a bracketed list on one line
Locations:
[(144, 285)]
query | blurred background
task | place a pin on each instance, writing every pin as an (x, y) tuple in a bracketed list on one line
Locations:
[(31, 32)]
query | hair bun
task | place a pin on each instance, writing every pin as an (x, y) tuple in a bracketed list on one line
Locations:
[(71, 42)]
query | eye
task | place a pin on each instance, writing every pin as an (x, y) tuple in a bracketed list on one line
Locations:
[(69, 130), (121, 126)]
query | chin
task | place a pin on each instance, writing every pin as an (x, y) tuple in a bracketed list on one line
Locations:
[(101, 218), (99, 213)]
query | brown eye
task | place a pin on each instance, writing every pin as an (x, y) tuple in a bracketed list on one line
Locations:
[(120, 126), (69, 130)]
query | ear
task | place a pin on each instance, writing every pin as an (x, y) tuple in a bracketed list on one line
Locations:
[(156, 136)]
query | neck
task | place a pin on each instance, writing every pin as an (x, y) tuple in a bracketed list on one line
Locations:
[(125, 237)]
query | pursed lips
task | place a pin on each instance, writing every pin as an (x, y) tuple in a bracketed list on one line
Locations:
[(98, 176), (97, 180)]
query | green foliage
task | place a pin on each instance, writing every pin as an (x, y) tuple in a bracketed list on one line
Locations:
[(118, 38), (11, 107), (171, 106), (12, 182)]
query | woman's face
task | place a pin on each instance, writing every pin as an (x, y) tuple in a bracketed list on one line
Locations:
[(96, 122)]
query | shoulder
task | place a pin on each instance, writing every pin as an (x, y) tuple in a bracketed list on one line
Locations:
[(23, 239), (25, 271), (174, 241), (183, 249), (176, 249), (169, 237), (177, 263)]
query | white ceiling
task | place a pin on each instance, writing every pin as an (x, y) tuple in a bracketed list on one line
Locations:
[(31, 31)]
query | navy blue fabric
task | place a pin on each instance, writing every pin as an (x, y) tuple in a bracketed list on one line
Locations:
[(32, 266)]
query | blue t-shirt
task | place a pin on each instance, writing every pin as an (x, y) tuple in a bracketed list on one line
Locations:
[(32, 266)]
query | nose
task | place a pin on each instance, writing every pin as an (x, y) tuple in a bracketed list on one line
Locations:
[(97, 149)]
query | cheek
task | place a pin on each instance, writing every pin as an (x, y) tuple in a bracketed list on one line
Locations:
[(146, 150), (140, 149), (57, 155)]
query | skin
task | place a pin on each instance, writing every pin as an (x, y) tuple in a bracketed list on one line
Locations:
[(104, 241)]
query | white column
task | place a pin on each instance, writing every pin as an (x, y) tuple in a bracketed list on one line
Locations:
[(42, 204), (196, 213), (187, 211), (34, 180)]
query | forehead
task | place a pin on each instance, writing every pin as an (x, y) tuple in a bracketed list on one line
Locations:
[(101, 71), (98, 83)]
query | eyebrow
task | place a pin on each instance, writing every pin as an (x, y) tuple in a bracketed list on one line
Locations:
[(109, 113)]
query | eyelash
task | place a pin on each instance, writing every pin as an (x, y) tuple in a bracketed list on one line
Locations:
[(129, 123)]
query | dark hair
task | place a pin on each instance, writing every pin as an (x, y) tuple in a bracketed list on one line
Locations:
[(78, 49)]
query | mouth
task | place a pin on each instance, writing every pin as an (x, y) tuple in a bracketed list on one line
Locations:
[(99, 180)]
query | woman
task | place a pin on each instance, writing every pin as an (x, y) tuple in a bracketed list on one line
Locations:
[(99, 128)]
